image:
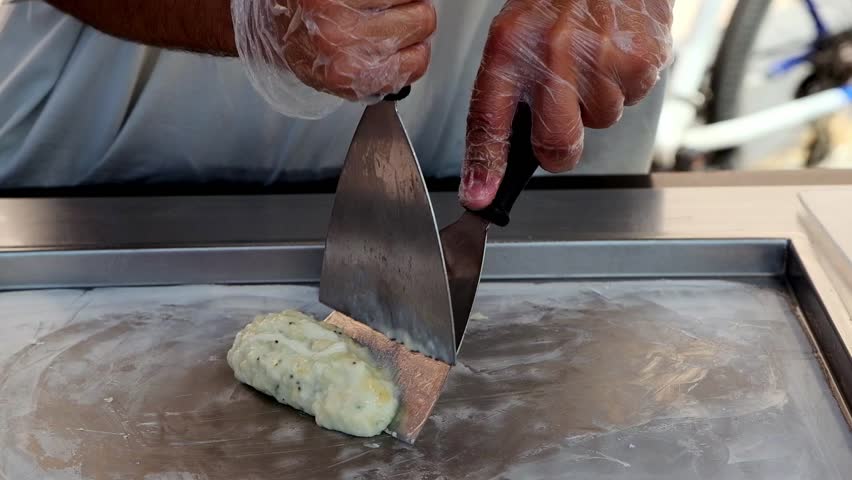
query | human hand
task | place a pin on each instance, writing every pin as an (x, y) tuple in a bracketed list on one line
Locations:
[(352, 49), (576, 63)]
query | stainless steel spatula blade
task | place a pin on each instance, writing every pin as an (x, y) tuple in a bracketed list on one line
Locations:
[(464, 250), (383, 262), (464, 240)]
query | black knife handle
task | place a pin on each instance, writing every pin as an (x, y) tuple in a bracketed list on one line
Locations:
[(520, 168), (400, 95)]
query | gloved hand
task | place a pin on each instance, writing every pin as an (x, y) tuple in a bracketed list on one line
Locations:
[(577, 63), (348, 49)]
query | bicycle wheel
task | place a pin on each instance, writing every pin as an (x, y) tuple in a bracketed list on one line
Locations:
[(761, 35)]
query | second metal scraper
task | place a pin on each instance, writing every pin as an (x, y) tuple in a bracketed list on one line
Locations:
[(464, 241), (383, 264)]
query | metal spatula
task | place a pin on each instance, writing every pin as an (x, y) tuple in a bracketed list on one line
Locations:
[(383, 263), (383, 268), (464, 241)]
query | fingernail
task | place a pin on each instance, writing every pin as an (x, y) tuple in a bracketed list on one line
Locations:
[(475, 178), (479, 186)]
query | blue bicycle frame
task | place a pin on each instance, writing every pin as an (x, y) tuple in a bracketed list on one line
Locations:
[(822, 31)]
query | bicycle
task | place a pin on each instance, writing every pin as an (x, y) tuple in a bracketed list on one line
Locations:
[(711, 111)]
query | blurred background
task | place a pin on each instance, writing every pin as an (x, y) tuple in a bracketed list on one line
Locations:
[(759, 84)]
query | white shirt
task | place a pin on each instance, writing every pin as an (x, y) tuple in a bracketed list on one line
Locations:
[(79, 107)]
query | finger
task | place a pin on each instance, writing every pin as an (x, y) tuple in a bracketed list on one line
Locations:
[(389, 31), (357, 78), (376, 4), (635, 63), (377, 33), (492, 110), (603, 106), (557, 135), (495, 98), (413, 62), (636, 77)]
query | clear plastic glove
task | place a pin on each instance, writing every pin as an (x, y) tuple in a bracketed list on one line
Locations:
[(305, 56), (577, 63)]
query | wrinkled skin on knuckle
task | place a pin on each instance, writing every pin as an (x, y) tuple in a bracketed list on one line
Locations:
[(558, 142), (636, 75), (603, 110), (557, 134), (560, 41), (429, 18), (422, 58), (483, 133), (508, 35), (377, 76), (310, 47), (340, 77), (300, 57), (322, 45), (494, 69)]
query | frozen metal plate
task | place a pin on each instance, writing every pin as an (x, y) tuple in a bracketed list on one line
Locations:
[(634, 379)]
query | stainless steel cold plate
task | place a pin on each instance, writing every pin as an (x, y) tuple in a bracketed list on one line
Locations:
[(668, 379)]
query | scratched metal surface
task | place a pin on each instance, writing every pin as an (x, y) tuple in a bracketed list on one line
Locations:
[(635, 379)]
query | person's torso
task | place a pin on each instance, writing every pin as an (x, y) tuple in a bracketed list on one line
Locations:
[(80, 107)]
